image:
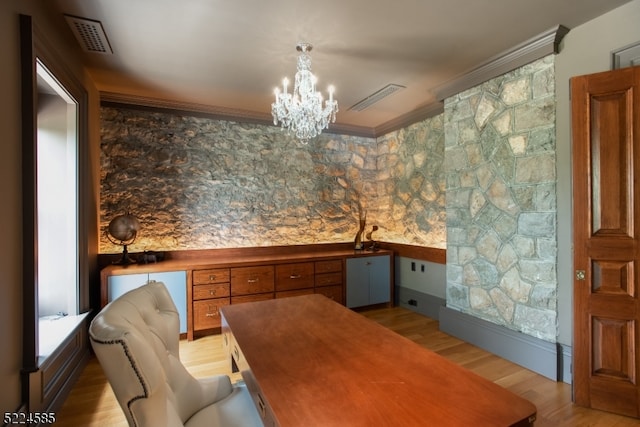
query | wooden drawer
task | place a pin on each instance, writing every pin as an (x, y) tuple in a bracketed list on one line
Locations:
[(332, 292), (216, 290), (294, 276), (252, 280), (212, 275), (330, 266), (294, 293), (251, 298), (328, 279), (206, 313)]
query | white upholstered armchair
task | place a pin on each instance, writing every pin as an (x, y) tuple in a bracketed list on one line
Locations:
[(136, 339)]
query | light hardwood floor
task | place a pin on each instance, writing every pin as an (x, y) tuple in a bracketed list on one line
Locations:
[(92, 403)]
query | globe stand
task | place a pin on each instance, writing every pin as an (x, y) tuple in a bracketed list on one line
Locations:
[(122, 231), (125, 259)]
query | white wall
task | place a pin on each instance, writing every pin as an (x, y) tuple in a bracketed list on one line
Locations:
[(586, 49), (426, 277)]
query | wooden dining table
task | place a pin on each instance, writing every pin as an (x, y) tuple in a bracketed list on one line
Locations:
[(309, 361)]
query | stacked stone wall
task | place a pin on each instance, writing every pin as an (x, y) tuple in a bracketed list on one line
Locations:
[(500, 166), (412, 160), (199, 183)]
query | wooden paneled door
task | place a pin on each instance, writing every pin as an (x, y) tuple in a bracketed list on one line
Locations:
[(606, 217)]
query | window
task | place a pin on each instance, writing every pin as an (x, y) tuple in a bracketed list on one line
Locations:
[(57, 211)]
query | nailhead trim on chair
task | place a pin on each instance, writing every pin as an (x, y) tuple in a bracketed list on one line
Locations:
[(135, 369)]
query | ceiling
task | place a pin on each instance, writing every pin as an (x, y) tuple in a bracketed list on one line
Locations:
[(227, 56)]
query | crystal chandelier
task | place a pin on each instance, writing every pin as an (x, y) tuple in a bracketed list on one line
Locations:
[(301, 112)]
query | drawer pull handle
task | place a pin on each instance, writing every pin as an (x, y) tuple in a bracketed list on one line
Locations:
[(212, 291), (212, 311), (210, 315), (262, 408), (236, 353), (295, 276), (252, 280), (212, 277)]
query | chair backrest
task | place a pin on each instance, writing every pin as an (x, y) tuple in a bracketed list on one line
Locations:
[(136, 340)]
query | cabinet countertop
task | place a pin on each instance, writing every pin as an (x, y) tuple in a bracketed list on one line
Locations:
[(235, 261)]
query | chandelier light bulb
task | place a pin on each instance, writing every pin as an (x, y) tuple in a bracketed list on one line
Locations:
[(302, 112)]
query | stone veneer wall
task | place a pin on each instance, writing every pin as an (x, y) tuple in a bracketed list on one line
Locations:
[(199, 183), (413, 160), (501, 200)]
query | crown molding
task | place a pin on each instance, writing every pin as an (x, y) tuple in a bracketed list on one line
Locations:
[(244, 116), (535, 48), (352, 130), (210, 111), (414, 116), (214, 112)]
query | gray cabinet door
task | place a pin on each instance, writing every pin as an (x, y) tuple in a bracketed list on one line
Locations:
[(368, 280), (379, 279), (357, 282)]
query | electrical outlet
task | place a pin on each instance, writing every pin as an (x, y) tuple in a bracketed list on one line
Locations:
[(413, 302), (413, 266), (422, 268)]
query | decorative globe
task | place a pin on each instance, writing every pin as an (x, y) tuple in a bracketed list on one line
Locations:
[(124, 228), (122, 231)]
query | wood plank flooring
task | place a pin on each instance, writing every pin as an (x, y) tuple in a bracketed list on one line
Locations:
[(92, 403)]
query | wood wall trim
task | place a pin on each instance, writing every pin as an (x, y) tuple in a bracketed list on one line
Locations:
[(254, 251), (29, 194), (424, 253)]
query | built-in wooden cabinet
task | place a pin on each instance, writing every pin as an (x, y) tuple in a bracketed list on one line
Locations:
[(206, 313), (294, 277), (219, 277), (252, 280), (211, 289), (215, 281), (328, 279)]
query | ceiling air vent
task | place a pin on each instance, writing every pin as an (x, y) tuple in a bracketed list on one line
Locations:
[(90, 34), (375, 97)]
